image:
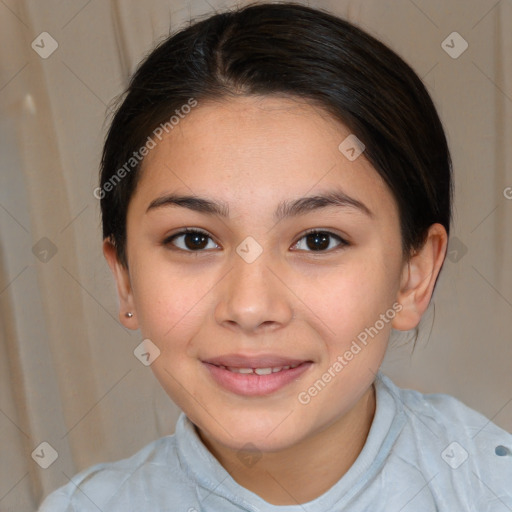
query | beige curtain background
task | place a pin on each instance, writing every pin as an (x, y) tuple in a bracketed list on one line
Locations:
[(68, 375)]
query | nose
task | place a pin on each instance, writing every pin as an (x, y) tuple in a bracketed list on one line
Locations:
[(253, 298)]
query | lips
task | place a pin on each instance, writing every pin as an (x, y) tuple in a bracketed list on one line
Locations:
[(254, 376)]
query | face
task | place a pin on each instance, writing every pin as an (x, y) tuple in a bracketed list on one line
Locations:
[(266, 278)]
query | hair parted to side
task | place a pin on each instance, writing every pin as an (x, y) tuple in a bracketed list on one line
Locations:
[(295, 51)]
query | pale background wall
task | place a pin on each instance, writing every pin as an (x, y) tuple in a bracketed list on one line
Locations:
[(67, 371)]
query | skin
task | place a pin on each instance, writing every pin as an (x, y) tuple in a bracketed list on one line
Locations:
[(252, 153)]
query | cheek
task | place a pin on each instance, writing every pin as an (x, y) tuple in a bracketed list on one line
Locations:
[(168, 303), (355, 303), (356, 289)]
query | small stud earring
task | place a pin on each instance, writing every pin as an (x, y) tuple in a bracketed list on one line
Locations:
[(129, 314)]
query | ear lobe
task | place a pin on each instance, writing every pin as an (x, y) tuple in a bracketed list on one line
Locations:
[(124, 290), (419, 277)]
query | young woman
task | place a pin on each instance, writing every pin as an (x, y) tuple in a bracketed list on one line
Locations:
[(276, 193)]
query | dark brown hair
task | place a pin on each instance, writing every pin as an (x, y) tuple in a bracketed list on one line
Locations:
[(296, 51)]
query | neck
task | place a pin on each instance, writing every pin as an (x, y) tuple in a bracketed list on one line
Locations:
[(284, 477)]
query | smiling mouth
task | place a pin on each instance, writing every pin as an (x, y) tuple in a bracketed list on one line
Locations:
[(253, 377)]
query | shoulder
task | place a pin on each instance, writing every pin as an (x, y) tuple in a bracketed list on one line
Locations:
[(114, 485), (446, 416), (454, 447)]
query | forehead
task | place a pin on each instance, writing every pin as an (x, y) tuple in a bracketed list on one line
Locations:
[(258, 149)]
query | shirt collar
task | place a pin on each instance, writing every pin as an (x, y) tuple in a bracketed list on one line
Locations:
[(201, 466)]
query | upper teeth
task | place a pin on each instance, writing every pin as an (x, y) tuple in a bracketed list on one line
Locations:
[(260, 371)]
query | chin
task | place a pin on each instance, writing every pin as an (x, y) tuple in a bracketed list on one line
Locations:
[(269, 434)]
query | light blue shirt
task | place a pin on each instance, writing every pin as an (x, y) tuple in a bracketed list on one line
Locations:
[(424, 453)]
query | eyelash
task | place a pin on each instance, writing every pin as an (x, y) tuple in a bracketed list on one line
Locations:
[(342, 242)]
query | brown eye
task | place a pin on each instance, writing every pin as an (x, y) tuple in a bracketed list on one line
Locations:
[(320, 241), (191, 241)]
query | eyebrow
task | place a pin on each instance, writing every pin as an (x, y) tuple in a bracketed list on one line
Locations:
[(336, 198), (195, 203), (301, 206)]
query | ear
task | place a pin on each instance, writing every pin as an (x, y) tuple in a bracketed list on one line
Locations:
[(124, 290), (419, 277)]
